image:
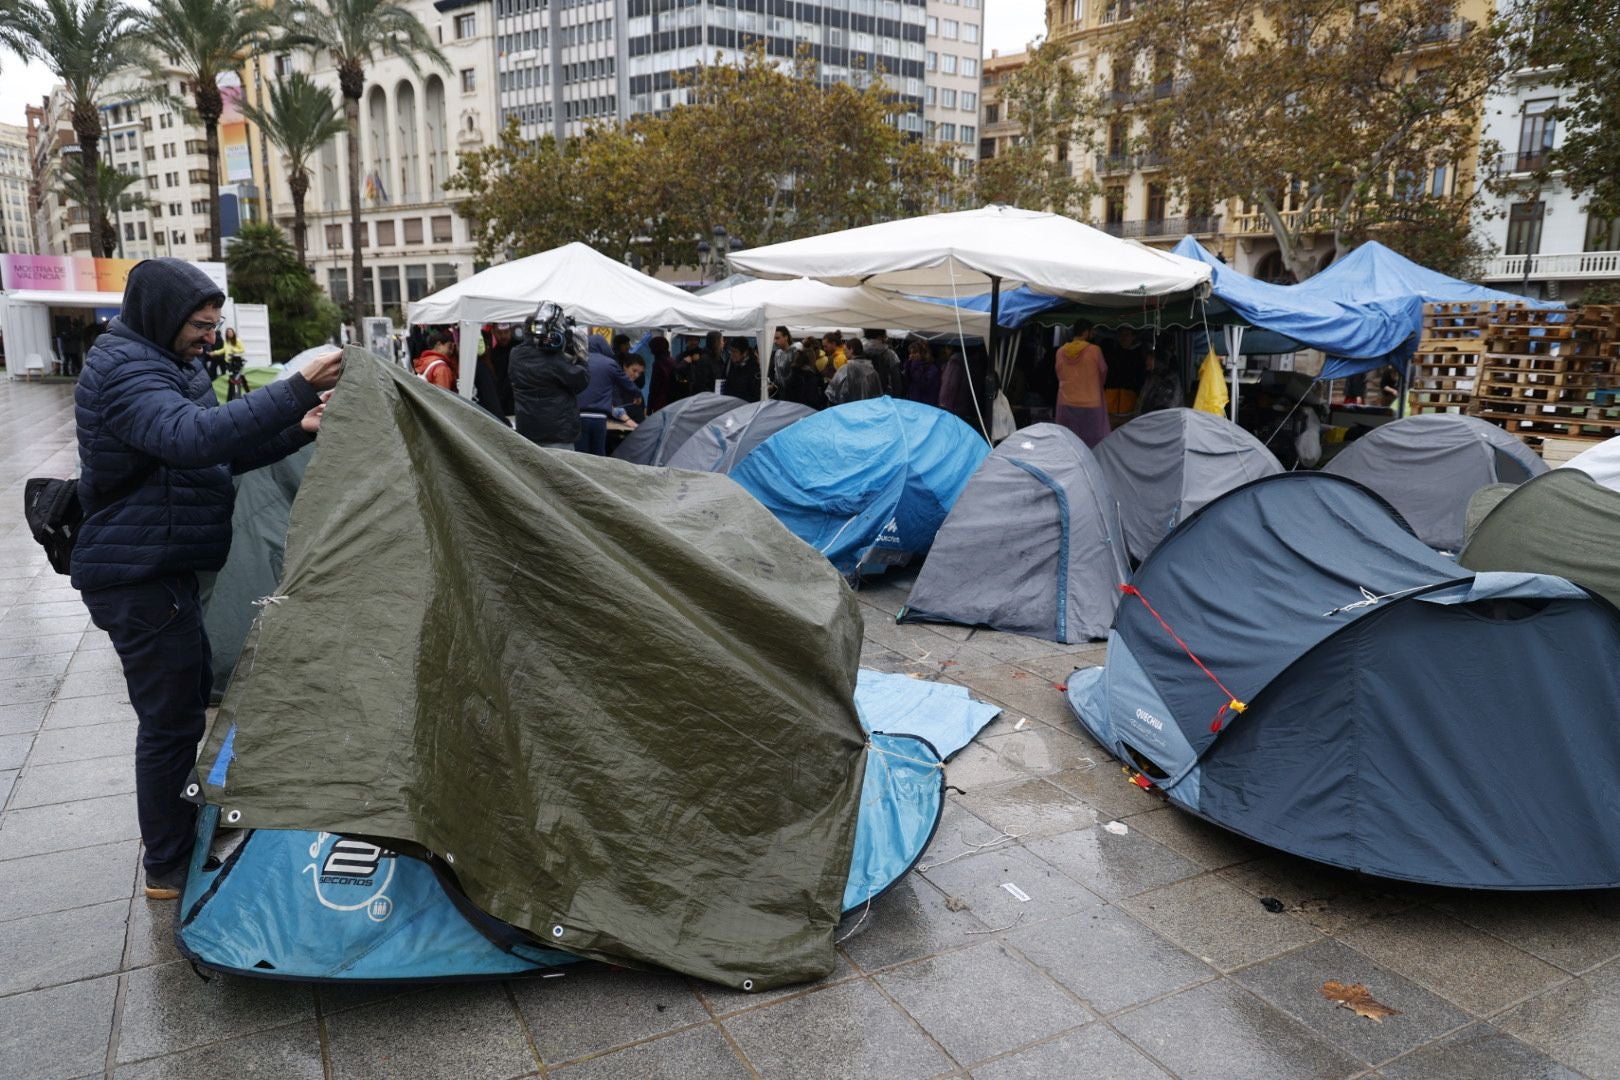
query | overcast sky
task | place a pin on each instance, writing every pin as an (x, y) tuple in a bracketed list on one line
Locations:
[(1008, 27)]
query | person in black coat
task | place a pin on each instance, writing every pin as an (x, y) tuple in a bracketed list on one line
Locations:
[(156, 454), (546, 384)]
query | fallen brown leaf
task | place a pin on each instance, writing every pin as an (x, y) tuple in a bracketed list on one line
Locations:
[(1358, 999), (953, 903)]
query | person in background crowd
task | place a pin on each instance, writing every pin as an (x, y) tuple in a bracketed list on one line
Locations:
[(857, 380), (885, 360), (1125, 371), (636, 407), (741, 373), (964, 390), (499, 356), (1082, 373), (218, 361), (695, 374), (781, 357), (1162, 388), (922, 373), (714, 352), (156, 455), (596, 400), (662, 388), (812, 351), (804, 383), (434, 363), (546, 384), (837, 356)]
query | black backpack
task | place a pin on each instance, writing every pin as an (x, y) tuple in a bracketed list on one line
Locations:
[(51, 507)]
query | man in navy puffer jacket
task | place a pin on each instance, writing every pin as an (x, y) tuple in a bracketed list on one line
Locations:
[(156, 456)]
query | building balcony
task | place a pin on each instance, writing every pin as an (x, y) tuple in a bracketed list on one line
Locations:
[(1444, 33), (1572, 266), (1256, 223), (1113, 164), (1520, 163), (1166, 227)]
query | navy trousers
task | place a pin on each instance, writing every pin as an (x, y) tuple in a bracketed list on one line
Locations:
[(592, 435), (157, 628)]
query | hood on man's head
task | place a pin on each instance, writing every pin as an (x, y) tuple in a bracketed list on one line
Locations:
[(161, 294)]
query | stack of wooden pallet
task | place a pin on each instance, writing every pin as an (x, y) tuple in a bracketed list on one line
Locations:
[(1445, 368), (1552, 374)]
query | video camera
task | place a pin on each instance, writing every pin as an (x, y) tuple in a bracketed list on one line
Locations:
[(549, 327)]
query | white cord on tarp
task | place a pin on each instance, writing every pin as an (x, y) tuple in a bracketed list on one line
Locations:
[(266, 601)]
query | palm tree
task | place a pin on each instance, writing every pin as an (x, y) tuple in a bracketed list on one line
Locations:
[(112, 188), (82, 42), (301, 119), (202, 40), (352, 33)]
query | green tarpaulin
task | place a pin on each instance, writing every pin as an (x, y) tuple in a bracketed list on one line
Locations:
[(1562, 523), (616, 703)]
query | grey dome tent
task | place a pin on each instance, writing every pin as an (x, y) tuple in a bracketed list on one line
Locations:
[(264, 499), (1163, 466), (1295, 665), (1562, 522), (727, 439), (1427, 467), (1032, 546), (661, 434)]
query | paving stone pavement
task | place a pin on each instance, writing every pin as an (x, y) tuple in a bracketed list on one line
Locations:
[(1143, 953)]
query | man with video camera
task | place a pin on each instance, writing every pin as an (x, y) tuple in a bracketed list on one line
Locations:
[(548, 370)]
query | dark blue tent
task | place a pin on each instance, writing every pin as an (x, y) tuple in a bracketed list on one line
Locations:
[(1404, 717), (867, 483)]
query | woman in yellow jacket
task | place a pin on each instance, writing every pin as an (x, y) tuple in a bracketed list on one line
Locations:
[(228, 349)]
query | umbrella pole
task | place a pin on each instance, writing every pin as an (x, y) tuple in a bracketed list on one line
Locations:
[(991, 341)]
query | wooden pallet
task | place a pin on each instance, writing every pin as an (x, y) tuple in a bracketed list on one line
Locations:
[(1556, 451)]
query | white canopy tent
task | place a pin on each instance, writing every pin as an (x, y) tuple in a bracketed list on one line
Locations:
[(971, 251), (957, 255), (588, 285), (803, 304)]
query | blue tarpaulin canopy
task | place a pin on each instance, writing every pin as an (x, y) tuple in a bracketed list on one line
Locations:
[(1363, 311)]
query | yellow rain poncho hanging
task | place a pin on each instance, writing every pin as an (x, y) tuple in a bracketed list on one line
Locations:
[(1212, 396)]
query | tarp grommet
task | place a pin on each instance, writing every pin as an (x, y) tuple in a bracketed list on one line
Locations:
[(234, 816), (449, 858), (556, 931), (191, 790), (748, 984)]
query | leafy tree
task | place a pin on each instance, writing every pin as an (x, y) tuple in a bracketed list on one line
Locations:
[(1578, 42), (264, 269), (82, 42), (112, 189), (1057, 115), (300, 119), (766, 154), (1327, 106), (202, 40), (353, 33)]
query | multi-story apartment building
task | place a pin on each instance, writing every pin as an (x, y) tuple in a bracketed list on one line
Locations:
[(998, 129), (1551, 246), (565, 64), (412, 126), (166, 211), (952, 78), (1135, 199), (16, 177)]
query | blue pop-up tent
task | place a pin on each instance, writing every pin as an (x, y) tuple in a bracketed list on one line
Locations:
[(867, 483)]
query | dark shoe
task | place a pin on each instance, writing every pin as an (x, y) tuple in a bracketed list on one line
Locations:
[(165, 886)]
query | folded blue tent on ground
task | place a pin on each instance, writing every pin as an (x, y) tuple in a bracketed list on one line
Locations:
[(1294, 664), (867, 483), (317, 906)]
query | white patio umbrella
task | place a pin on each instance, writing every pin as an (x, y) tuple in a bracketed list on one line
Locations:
[(803, 304), (588, 285)]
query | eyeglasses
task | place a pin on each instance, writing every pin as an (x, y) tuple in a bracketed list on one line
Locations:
[(206, 326)]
